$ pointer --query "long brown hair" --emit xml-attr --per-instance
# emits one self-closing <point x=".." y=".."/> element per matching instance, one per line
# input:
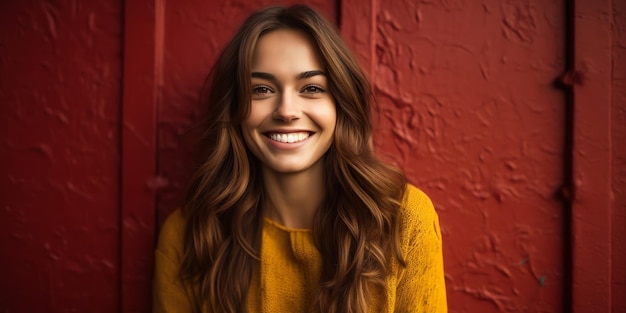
<point x="355" y="229"/>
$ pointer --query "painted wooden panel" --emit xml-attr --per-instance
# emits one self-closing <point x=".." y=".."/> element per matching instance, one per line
<point x="591" y="75"/>
<point x="618" y="158"/>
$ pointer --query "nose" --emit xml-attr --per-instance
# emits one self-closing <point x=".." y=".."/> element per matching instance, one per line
<point x="287" y="108"/>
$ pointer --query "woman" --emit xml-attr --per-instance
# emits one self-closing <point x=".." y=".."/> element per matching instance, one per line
<point x="291" y="211"/>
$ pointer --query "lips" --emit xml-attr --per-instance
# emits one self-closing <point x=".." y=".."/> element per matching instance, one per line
<point x="291" y="137"/>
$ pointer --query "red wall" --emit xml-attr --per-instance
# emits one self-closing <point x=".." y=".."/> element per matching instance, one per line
<point x="528" y="176"/>
<point x="60" y="73"/>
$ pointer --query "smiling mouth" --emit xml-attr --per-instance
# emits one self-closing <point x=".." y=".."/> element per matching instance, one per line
<point x="289" y="137"/>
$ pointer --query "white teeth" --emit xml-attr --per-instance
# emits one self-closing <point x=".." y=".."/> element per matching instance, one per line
<point x="289" y="138"/>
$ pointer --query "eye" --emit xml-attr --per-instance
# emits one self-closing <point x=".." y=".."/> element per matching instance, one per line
<point x="261" y="90"/>
<point x="312" y="89"/>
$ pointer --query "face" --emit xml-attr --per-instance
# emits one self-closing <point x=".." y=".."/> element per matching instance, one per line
<point x="292" y="113"/>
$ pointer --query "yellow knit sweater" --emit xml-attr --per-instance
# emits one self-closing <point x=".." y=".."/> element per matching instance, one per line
<point x="290" y="267"/>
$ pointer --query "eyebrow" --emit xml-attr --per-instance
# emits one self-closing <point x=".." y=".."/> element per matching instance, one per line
<point x="303" y="75"/>
<point x="309" y="74"/>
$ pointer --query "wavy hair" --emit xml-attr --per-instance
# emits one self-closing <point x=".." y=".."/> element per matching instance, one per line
<point x="355" y="229"/>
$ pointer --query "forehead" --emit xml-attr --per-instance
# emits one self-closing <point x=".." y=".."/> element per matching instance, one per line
<point x="286" y="51"/>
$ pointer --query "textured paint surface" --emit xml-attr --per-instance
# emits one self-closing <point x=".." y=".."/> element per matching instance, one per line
<point x="143" y="32"/>
<point x="196" y="31"/>
<point x="59" y="95"/>
<point x="468" y="110"/>
<point x="618" y="144"/>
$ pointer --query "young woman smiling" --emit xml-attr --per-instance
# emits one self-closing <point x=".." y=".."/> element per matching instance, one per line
<point x="290" y="210"/>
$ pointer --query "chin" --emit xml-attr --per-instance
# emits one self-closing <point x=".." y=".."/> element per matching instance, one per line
<point x="293" y="165"/>
<point x="287" y="169"/>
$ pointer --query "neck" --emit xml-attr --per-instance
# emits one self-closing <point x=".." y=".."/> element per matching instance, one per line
<point x="294" y="198"/>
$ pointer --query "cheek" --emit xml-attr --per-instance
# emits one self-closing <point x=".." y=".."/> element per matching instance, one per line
<point x="327" y="116"/>
<point x="253" y="121"/>
<point x="248" y="127"/>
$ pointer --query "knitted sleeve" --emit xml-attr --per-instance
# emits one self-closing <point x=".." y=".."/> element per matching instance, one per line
<point x="421" y="285"/>
<point x="168" y="294"/>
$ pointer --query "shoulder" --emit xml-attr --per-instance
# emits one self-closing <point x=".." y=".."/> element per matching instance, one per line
<point x="171" y="235"/>
<point x="416" y="206"/>
<point x="420" y="280"/>
<point x="417" y="216"/>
